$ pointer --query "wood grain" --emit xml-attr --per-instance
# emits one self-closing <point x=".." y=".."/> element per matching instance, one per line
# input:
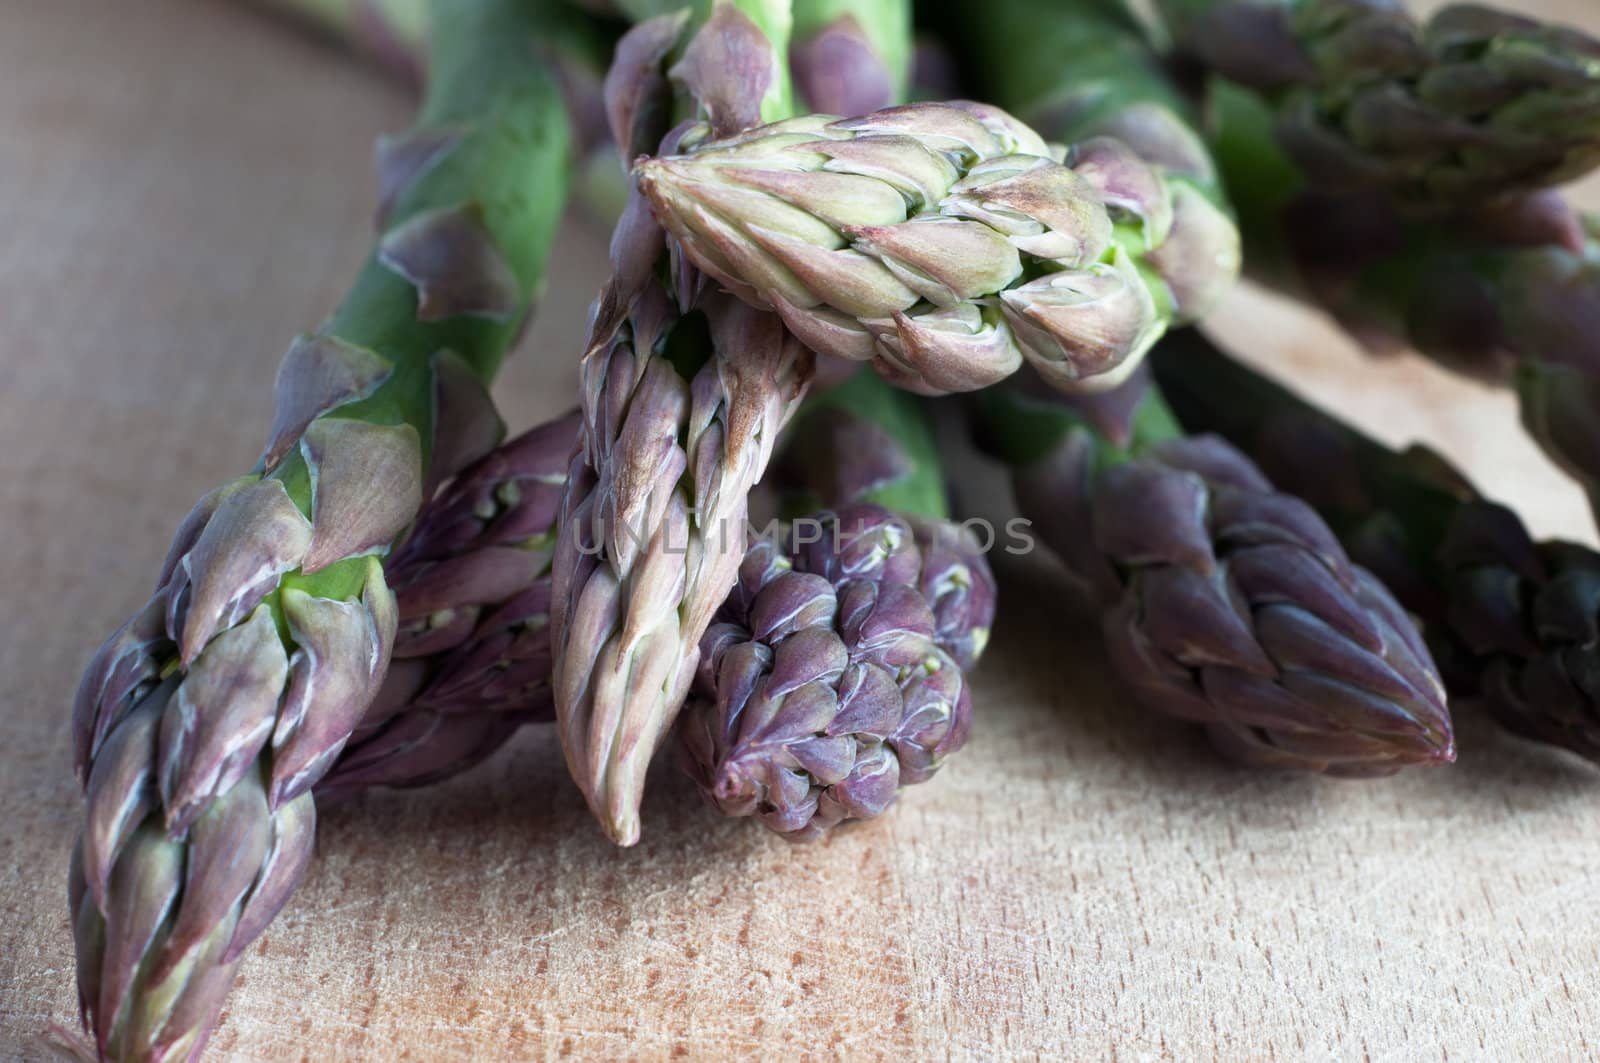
<point x="183" y="186"/>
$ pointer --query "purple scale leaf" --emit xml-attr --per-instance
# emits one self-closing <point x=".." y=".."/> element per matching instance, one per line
<point x="318" y="374"/>
<point x="127" y="662"/>
<point x="1299" y="641"/>
<point x="121" y="791"/>
<point x="869" y="702"/>
<point x="1290" y="575"/>
<point x="868" y="790"/>
<point x="1145" y="513"/>
<point x="1362" y="712"/>
<point x="452" y="261"/>
<point x="1160" y="682"/>
<point x="255" y="536"/>
<point x="837" y="71"/>
<point x="1213" y="459"/>
<point x="793" y="602"/>
<point x="729" y="67"/>
<point x="428" y="636"/>
<point x="1249" y="700"/>
<point x="144" y="886"/>
<point x="1240" y="518"/>
<point x="227" y="847"/>
<point x="189" y="530"/>
<point x="288" y="855"/>
<point x="809" y="656"/>
<point x="332" y="679"/>
<point x="1126" y="183"/>
<point x="366" y="487"/>
<point x="828" y="760"/>
<point x="220" y="718"/>
<point x="1193" y="620"/>
<point x="636" y="94"/>
<point x="403" y="159"/>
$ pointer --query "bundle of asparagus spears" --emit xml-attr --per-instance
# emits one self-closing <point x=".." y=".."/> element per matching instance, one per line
<point x="802" y="261"/>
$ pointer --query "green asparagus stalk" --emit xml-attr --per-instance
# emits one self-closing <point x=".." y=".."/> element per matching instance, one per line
<point x="1085" y="70"/>
<point x="835" y="673"/>
<point x="201" y="726"/>
<point x="1224" y="601"/>
<point x="1472" y="105"/>
<point x="1512" y="621"/>
<point x="1510" y="295"/>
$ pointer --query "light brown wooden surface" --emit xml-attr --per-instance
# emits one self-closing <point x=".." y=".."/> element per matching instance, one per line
<point x="183" y="186"/>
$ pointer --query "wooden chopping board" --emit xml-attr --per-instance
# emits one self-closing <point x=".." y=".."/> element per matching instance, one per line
<point x="184" y="185"/>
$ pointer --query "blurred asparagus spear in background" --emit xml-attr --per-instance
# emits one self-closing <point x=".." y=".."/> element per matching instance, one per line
<point x="835" y="673"/>
<point x="849" y="58"/>
<point x="1511" y="620"/>
<point x="1084" y="70"/>
<point x="201" y="726"/>
<point x="1508" y="293"/>
<point x="1224" y="601"/>
<point x="1471" y="105"/>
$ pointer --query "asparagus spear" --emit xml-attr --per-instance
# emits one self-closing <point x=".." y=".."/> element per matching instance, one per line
<point x="201" y="727"/>
<point x="1223" y="601"/>
<point x="835" y="673"/>
<point x="1472" y="105"/>
<point x="942" y="242"/>
<point x="683" y="394"/>
<point x="1512" y="621"/>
